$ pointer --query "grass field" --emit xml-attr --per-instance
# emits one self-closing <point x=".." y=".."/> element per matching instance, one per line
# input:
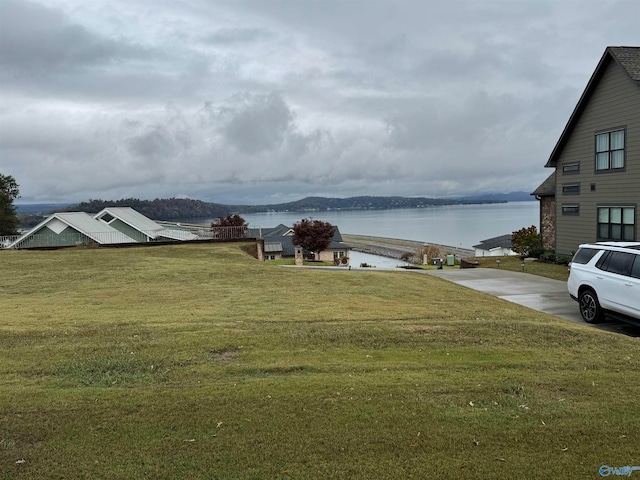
<point x="549" y="270"/>
<point x="198" y="361"/>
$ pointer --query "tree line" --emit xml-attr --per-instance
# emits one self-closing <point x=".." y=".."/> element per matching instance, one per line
<point x="159" y="209"/>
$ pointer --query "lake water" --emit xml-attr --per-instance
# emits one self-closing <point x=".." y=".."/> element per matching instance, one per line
<point x="453" y="225"/>
<point x="375" y="262"/>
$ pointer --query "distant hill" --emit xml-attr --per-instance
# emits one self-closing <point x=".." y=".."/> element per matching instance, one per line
<point x="159" y="209"/>
<point x="177" y="209"/>
<point x="39" y="208"/>
<point x="503" y="197"/>
<point x="358" y="203"/>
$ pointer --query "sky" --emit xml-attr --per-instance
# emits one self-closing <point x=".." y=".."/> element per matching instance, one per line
<point x="270" y="101"/>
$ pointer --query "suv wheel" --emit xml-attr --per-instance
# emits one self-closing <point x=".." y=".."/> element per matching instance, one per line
<point x="590" y="308"/>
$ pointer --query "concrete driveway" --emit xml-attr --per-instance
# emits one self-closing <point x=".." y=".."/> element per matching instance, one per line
<point x="538" y="293"/>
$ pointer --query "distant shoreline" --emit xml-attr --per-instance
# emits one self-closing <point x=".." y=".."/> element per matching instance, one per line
<point x="169" y="209"/>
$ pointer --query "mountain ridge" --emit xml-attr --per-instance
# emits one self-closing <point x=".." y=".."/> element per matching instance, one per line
<point x="180" y="208"/>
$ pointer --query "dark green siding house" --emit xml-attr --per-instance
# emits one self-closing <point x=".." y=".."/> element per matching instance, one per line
<point x="142" y="229"/>
<point x="597" y="158"/>
<point x="69" y="229"/>
<point x="278" y="244"/>
<point x="112" y="225"/>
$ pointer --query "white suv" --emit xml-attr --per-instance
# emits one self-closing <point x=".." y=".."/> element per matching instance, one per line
<point x="605" y="278"/>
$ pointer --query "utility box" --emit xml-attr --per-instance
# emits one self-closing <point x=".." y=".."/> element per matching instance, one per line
<point x="451" y="260"/>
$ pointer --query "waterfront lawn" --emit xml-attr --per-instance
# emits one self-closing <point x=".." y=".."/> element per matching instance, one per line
<point x="535" y="267"/>
<point x="198" y="361"/>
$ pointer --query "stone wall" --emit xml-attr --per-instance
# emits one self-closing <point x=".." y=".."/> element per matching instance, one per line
<point x="548" y="221"/>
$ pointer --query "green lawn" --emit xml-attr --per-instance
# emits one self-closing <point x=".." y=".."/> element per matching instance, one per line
<point x="549" y="270"/>
<point x="198" y="361"/>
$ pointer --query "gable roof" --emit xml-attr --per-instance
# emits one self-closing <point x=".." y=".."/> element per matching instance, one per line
<point x="546" y="188"/>
<point x="278" y="239"/>
<point x="143" y="224"/>
<point x="83" y="223"/>
<point x="129" y="216"/>
<point x="629" y="59"/>
<point x="503" y="241"/>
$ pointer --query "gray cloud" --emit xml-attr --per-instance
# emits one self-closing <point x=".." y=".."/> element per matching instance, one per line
<point x="253" y="124"/>
<point x="227" y="36"/>
<point x="253" y="101"/>
<point x="36" y="40"/>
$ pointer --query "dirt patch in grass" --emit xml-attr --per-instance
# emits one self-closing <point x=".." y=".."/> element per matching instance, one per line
<point x="279" y="371"/>
<point x="223" y="355"/>
<point x="424" y="328"/>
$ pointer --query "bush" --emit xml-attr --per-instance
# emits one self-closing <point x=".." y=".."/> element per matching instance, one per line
<point x="536" y="251"/>
<point x="431" y="251"/>
<point x="563" y="259"/>
<point x="526" y="242"/>
<point x="548" y="256"/>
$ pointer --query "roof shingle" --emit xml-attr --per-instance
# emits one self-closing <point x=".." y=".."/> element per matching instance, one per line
<point x="629" y="59"/>
<point x="546" y="188"/>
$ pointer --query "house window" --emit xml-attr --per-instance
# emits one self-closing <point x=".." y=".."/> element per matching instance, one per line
<point x="571" y="168"/>
<point x="610" y="150"/>
<point x="571" y="189"/>
<point x="573" y="209"/>
<point x="107" y="217"/>
<point x="616" y="223"/>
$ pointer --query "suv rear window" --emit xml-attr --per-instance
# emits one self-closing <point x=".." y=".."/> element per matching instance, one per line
<point x="621" y="263"/>
<point x="617" y="262"/>
<point x="583" y="255"/>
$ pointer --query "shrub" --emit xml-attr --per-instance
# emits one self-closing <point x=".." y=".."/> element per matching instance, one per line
<point x="526" y="241"/>
<point x="548" y="256"/>
<point x="536" y="251"/>
<point x="431" y="251"/>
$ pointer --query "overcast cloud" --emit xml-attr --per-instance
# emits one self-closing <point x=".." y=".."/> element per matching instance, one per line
<point x="265" y="101"/>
